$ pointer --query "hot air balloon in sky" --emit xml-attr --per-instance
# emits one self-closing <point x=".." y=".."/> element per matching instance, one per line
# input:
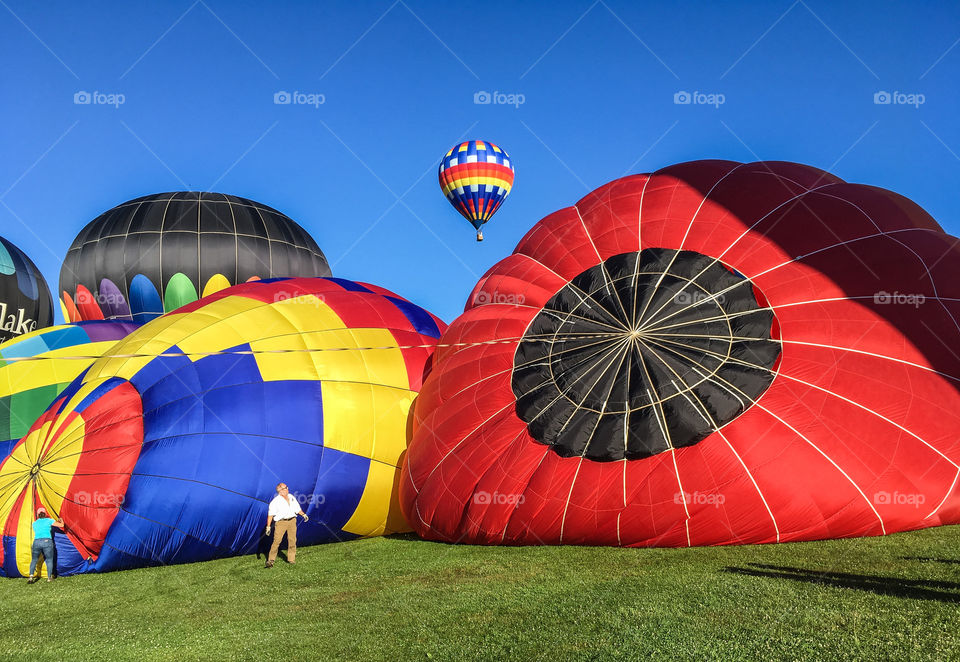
<point x="714" y="353"/>
<point x="36" y="367"/>
<point x="156" y="253"/>
<point x="25" y="301"/>
<point x="476" y="176"/>
<point x="168" y="449"/>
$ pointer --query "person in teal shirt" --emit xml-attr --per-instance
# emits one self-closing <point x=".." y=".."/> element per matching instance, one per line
<point x="43" y="544"/>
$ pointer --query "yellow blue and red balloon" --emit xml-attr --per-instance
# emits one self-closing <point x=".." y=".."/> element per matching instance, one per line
<point x="169" y="448"/>
<point x="476" y="176"/>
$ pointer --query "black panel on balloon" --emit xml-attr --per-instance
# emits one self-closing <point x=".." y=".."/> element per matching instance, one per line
<point x="189" y="232"/>
<point x="25" y="302"/>
<point x="648" y="351"/>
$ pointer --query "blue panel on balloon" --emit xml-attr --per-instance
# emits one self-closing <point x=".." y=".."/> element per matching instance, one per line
<point x="137" y="534"/>
<point x="221" y="413"/>
<point x="340" y="484"/>
<point x="163" y="367"/>
<point x="71" y="390"/>
<point x="10" y="556"/>
<point x="349" y="285"/>
<point x="287" y="416"/>
<point x="419" y="318"/>
<point x="230" y="367"/>
<point x="145" y="301"/>
<point x="99" y="391"/>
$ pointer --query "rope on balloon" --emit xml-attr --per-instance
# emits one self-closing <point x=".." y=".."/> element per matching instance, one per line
<point x="246" y="352"/>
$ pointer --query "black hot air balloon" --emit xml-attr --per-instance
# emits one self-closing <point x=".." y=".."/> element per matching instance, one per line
<point x="25" y="301"/>
<point x="156" y="253"/>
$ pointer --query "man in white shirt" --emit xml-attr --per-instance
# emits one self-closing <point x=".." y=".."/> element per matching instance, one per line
<point x="283" y="511"/>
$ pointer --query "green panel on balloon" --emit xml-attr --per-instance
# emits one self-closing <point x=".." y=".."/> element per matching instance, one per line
<point x="19" y="410"/>
<point x="180" y="291"/>
<point x="6" y="262"/>
<point x="5" y="417"/>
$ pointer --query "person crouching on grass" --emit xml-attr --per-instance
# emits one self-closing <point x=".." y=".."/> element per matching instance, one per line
<point x="284" y="510"/>
<point x="43" y="544"/>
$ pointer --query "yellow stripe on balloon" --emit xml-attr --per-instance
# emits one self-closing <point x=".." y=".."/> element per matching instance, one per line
<point x="365" y="420"/>
<point x="463" y="182"/>
<point x="60" y="460"/>
<point x="319" y="328"/>
<point x="211" y="328"/>
<point x="369" y="365"/>
<point x="195" y="332"/>
<point x="22" y="376"/>
<point x="216" y="283"/>
<point x="24" y="540"/>
<point x="149" y="339"/>
<point x="378" y="512"/>
<point x="14" y="472"/>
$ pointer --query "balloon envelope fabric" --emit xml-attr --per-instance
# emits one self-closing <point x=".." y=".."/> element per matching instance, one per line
<point x="168" y="449"/>
<point x="715" y="353"/>
<point x="156" y="253"/>
<point x="476" y="177"/>
<point x="55" y="356"/>
<point x="25" y="301"/>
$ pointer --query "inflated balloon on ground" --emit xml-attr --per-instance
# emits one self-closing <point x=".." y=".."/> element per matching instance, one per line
<point x="715" y="353"/>
<point x="169" y="448"/>
<point x="156" y="253"/>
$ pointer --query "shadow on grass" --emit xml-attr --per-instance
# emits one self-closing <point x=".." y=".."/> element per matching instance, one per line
<point x="917" y="589"/>
<point x="928" y="559"/>
<point x="409" y="535"/>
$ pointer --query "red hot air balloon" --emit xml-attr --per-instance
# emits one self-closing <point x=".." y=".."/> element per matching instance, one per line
<point x="715" y="353"/>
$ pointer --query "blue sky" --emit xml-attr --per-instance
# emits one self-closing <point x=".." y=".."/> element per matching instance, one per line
<point x="597" y="82"/>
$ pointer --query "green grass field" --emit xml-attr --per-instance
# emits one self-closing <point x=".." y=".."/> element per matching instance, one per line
<point x="401" y="598"/>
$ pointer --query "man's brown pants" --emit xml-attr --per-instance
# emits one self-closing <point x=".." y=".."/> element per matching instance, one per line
<point x="283" y="528"/>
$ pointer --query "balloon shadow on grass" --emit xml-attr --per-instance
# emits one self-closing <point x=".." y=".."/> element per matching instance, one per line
<point x="917" y="589"/>
<point x="928" y="559"/>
